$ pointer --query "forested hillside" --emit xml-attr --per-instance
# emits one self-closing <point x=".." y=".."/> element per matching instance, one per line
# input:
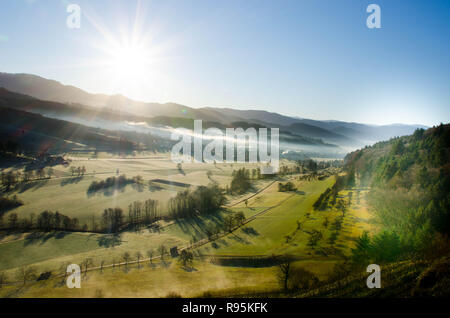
<point x="409" y="180"/>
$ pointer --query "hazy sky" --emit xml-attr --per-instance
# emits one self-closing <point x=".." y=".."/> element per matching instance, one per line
<point x="312" y="58"/>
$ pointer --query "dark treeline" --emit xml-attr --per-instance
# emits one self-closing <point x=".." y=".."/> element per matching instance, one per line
<point x="11" y="178"/>
<point x="117" y="182"/>
<point x="113" y="220"/>
<point x="54" y="133"/>
<point x="322" y="202"/>
<point x="42" y="129"/>
<point x="142" y="213"/>
<point x="288" y="186"/>
<point x="329" y="197"/>
<point x="203" y="200"/>
<point x="45" y="221"/>
<point x="310" y="165"/>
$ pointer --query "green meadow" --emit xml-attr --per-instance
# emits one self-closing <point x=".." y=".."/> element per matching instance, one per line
<point x="271" y="228"/>
<point x="68" y="194"/>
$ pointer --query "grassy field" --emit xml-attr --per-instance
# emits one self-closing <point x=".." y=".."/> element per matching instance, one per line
<point x="68" y="194"/>
<point x="275" y="232"/>
<point x="271" y="228"/>
<point x="153" y="281"/>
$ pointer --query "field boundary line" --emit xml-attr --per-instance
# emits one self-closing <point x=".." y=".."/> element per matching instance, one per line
<point x="256" y="193"/>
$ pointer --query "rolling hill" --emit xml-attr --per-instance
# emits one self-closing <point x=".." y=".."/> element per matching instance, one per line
<point x="341" y="133"/>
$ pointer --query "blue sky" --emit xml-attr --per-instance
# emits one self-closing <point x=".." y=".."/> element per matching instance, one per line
<point x="311" y="59"/>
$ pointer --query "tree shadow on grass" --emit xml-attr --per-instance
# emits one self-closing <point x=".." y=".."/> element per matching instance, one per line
<point x="154" y="187"/>
<point x="60" y="283"/>
<point x="43" y="237"/>
<point x="107" y="192"/>
<point x="25" y="186"/>
<point x="250" y="231"/>
<point x="197" y="225"/>
<point x="15" y="293"/>
<point x="72" y="180"/>
<point x="109" y="240"/>
<point x="239" y="239"/>
<point x="165" y="263"/>
<point x="138" y="187"/>
<point x="189" y="269"/>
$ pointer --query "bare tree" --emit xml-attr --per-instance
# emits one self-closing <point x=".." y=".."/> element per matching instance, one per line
<point x="139" y="256"/>
<point x="239" y="217"/>
<point x="186" y="257"/>
<point x="63" y="269"/>
<point x="126" y="257"/>
<point x="150" y="255"/>
<point x="162" y="251"/>
<point x="284" y="272"/>
<point x="26" y="274"/>
<point x="86" y="263"/>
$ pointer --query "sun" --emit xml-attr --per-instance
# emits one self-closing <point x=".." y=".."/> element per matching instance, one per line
<point x="132" y="70"/>
<point x="129" y="63"/>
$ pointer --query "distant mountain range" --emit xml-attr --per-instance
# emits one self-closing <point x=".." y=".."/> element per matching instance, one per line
<point x="55" y="115"/>
<point x="75" y="101"/>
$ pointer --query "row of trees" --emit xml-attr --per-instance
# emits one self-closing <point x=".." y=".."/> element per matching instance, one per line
<point x="201" y="201"/>
<point x="329" y="196"/>
<point x="113" y="182"/>
<point x="142" y="213"/>
<point x="112" y="219"/>
<point x="12" y="177"/>
<point x="45" y="221"/>
<point x="29" y="273"/>
<point x="79" y="171"/>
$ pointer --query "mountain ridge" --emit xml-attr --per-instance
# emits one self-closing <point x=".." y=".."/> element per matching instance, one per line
<point x="344" y="133"/>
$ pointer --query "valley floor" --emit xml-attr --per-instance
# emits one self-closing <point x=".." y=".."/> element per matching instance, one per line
<point x="220" y="267"/>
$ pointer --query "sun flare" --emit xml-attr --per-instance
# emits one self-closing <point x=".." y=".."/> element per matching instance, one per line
<point x="129" y="62"/>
